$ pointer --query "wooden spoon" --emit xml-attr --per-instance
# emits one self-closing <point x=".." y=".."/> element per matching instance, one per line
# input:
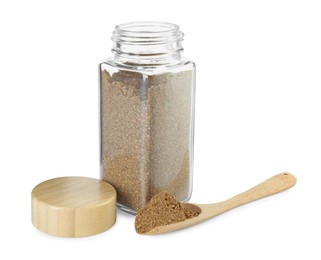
<point x="275" y="184"/>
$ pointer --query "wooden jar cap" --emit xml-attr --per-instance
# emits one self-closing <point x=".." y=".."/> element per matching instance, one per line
<point x="73" y="206"/>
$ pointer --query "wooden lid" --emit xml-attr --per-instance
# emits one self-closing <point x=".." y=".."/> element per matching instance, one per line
<point x="73" y="206"/>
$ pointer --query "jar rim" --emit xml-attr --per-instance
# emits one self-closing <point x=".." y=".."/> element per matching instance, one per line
<point x="147" y="32"/>
<point x="147" y="42"/>
<point x="151" y="27"/>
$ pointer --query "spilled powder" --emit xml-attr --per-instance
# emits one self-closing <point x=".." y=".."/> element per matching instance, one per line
<point x="163" y="209"/>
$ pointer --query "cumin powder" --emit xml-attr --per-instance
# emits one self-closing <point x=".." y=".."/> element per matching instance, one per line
<point x="146" y="137"/>
<point x="163" y="209"/>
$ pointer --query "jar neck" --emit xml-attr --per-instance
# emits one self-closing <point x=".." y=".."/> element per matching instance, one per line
<point x="147" y="43"/>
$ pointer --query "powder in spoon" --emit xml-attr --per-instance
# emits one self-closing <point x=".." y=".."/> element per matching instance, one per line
<point x="163" y="209"/>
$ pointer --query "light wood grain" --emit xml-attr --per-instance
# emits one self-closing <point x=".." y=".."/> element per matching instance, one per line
<point x="275" y="184"/>
<point x="73" y="206"/>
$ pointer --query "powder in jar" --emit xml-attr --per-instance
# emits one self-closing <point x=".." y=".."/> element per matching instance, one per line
<point x="146" y="123"/>
<point x="163" y="209"/>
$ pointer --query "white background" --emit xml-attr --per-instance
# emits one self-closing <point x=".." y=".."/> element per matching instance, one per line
<point x="258" y="113"/>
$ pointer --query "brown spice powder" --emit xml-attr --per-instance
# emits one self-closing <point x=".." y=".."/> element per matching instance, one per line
<point x="163" y="209"/>
<point x="125" y="145"/>
<point x="146" y="134"/>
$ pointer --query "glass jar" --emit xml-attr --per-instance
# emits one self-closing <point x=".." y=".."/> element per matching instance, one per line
<point x="147" y="114"/>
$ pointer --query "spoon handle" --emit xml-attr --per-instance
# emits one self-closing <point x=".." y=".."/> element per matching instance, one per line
<point x="273" y="185"/>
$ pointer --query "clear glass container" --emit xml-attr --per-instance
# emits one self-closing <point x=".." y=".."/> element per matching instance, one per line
<point x="147" y="114"/>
